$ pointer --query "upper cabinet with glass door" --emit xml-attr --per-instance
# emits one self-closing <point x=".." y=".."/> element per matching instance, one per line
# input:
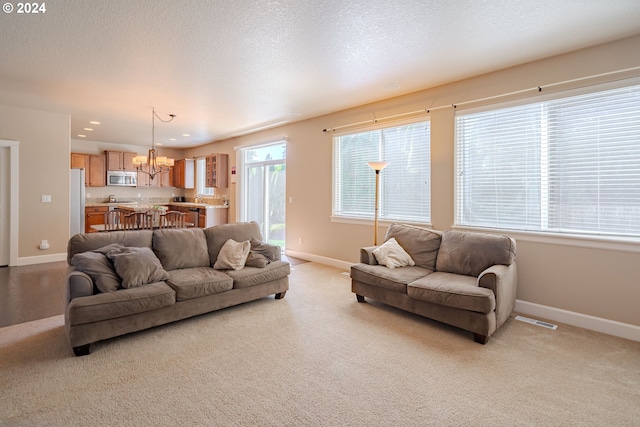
<point x="217" y="170"/>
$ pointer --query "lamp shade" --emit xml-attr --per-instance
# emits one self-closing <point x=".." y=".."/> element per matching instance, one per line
<point x="140" y="160"/>
<point x="378" y="166"/>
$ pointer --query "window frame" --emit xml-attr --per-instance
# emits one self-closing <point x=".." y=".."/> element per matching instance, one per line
<point x="359" y="220"/>
<point x="201" y="179"/>
<point x="628" y="243"/>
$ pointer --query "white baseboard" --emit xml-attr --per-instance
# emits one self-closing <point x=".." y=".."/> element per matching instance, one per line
<point x="598" y="324"/>
<point x="344" y="265"/>
<point x="41" y="259"/>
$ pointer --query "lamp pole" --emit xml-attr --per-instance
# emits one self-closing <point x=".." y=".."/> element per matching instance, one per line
<point x="377" y="167"/>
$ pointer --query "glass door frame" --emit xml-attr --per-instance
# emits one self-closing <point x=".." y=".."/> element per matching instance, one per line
<point x="243" y="168"/>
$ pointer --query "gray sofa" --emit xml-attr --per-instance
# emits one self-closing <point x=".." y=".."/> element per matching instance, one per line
<point x="125" y="281"/>
<point x="464" y="279"/>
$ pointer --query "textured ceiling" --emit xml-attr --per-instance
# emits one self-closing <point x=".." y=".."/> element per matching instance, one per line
<point x="232" y="66"/>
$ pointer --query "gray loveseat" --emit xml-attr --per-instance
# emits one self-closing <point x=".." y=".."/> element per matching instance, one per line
<point x="125" y="281"/>
<point x="464" y="279"/>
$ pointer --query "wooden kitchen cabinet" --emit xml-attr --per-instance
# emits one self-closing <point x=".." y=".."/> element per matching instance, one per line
<point x="94" y="215"/>
<point x="184" y="173"/>
<point x="97" y="171"/>
<point x="95" y="168"/>
<point x="217" y="170"/>
<point x="143" y="179"/>
<point x="81" y="161"/>
<point x="120" y="161"/>
<point x="165" y="178"/>
<point x="162" y="180"/>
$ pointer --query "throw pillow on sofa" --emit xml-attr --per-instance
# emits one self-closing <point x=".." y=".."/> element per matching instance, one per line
<point x="392" y="255"/>
<point x="261" y="254"/>
<point x="233" y="255"/>
<point x="96" y="264"/>
<point x="137" y="266"/>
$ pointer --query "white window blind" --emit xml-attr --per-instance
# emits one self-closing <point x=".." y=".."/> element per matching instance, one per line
<point x="404" y="184"/>
<point x="566" y="165"/>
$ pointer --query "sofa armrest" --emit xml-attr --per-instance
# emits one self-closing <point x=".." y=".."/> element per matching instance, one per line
<point x="277" y="251"/>
<point x="503" y="281"/>
<point x="367" y="256"/>
<point x="79" y="284"/>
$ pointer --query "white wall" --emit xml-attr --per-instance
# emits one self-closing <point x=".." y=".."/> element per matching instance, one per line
<point x="43" y="170"/>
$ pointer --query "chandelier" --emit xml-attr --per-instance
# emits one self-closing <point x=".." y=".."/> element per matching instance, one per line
<point x="154" y="164"/>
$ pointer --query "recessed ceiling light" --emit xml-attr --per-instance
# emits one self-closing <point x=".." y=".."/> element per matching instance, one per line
<point x="82" y="136"/>
<point x="95" y="123"/>
<point x="185" y="134"/>
<point x="390" y="87"/>
<point x="158" y="143"/>
<point x="172" y="139"/>
<point x="88" y="129"/>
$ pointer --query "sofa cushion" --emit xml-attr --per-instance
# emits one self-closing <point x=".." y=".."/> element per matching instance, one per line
<point x="453" y="290"/>
<point x="420" y="243"/>
<point x="252" y="276"/>
<point x="137" y="266"/>
<point x="393" y="279"/>
<point x="233" y="255"/>
<point x="121" y="303"/>
<point x="196" y="282"/>
<point x="181" y="248"/>
<point x="219" y="234"/>
<point x="471" y="253"/>
<point x="83" y="242"/>
<point x="392" y="255"/>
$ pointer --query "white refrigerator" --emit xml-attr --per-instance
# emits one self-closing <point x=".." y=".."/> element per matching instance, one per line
<point x="76" y="201"/>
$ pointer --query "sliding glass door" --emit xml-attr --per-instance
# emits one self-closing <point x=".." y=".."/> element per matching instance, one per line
<point x="263" y="191"/>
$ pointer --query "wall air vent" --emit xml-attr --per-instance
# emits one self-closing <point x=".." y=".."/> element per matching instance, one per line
<point x="537" y="322"/>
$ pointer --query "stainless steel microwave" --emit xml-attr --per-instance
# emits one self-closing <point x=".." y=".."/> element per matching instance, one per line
<point x="122" y="179"/>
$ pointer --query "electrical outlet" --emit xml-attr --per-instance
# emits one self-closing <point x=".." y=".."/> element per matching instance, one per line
<point x="46" y="198"/>
<point x="299" y="240"/>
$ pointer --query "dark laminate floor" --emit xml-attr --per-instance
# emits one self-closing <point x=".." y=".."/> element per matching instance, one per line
<point x="35" y="292"/>
<point x="31" y="292"/>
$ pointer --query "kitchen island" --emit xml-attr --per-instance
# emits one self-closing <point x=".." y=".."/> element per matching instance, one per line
<point x="201" y="215"/>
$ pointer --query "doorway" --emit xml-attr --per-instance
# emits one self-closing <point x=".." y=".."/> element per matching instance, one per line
<point x="9" y="155"/>
<point x="263" y="189"/>
<point x="5" y="179"/>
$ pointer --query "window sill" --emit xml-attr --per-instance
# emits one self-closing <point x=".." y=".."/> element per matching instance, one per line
<point x="604" y="243"/>
<point x="381" y="223"/>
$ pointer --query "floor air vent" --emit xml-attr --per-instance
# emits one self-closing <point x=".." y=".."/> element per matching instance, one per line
<point x="537" y="322"/>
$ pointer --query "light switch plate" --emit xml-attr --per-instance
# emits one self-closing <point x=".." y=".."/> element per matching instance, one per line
<point x="46" y="198"/>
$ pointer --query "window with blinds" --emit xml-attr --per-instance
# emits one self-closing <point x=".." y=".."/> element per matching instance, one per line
<point x="201" y="178"/>
<point x="404" y="184"/>
<point x="564" y="165"/>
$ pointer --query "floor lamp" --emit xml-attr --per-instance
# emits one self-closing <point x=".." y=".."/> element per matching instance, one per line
<point x="377" y="166"/>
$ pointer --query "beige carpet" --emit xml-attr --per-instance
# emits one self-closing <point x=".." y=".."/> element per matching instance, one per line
<point x="317" y="357"/>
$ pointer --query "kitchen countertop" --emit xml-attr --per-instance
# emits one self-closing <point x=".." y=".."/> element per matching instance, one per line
<point x="136" y="205"/>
